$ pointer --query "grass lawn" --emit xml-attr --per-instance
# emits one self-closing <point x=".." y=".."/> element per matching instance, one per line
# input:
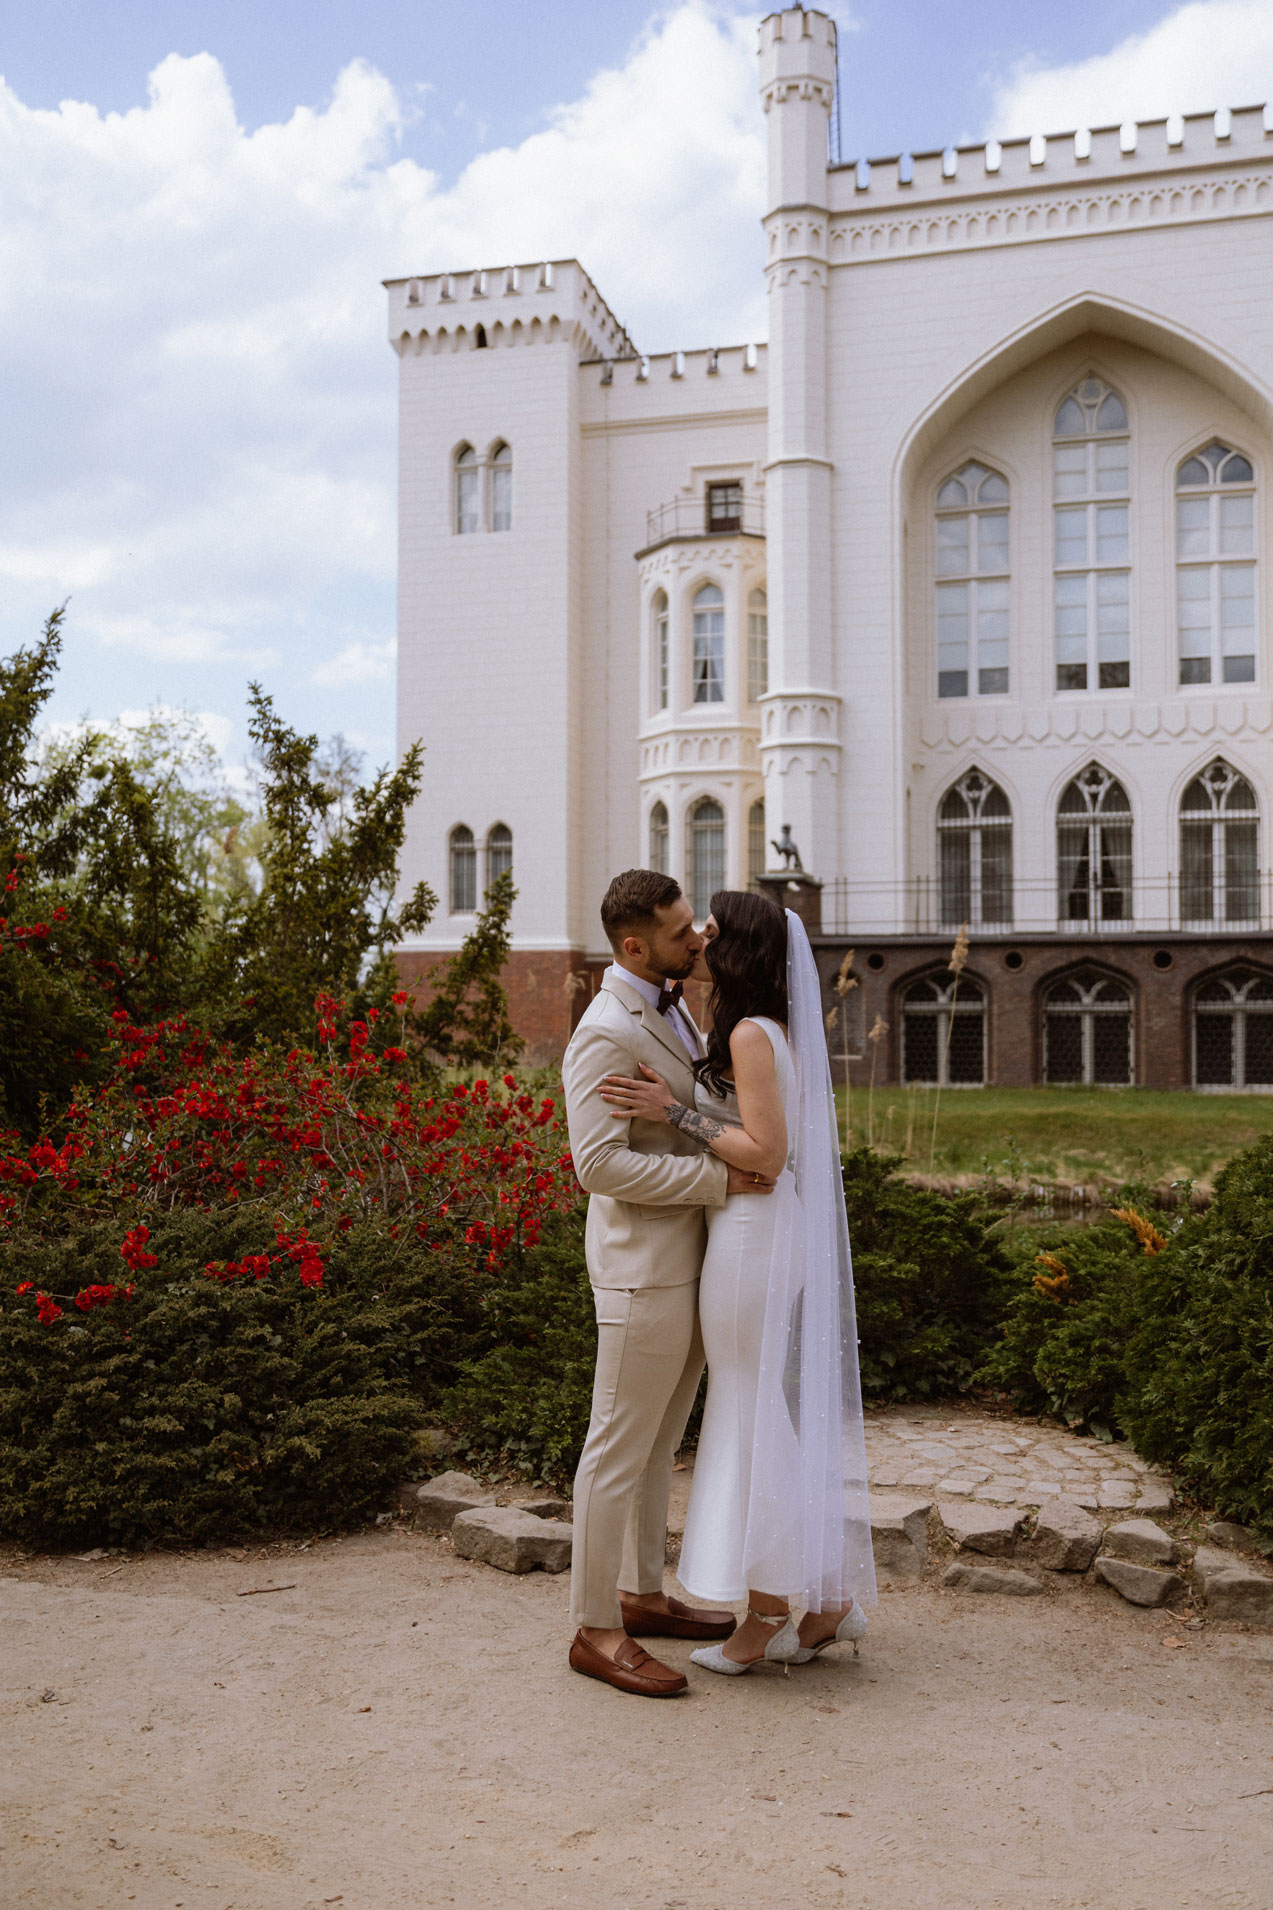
<point x="1065" y="1134"/>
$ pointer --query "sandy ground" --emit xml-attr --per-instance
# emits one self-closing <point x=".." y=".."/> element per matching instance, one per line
<point x="402" y="1729"/>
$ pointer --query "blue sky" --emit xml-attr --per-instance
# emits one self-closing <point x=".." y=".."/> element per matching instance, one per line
<point x="200" y="202"/>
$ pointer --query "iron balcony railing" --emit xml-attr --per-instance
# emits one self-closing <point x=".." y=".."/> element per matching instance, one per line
<point x="919" y="907"/>
<point x="687" y="517"/>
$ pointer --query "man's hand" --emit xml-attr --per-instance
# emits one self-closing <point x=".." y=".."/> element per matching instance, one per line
<point x="740" y="1181"/>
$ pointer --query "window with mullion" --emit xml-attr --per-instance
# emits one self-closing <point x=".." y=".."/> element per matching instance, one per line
<point x="973" y="583"/>
<point x="1091" y="532"/>
<point x="1215" y="569"/>
<point x="708" y="653"/>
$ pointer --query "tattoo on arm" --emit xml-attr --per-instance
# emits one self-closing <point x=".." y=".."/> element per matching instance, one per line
<point x="690" y="1121"/>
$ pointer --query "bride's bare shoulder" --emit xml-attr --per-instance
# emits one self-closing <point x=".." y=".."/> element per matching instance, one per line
<point x="749" y="1042"/>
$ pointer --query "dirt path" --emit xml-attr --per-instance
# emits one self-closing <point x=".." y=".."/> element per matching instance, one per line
<point x="401" y="1730"/>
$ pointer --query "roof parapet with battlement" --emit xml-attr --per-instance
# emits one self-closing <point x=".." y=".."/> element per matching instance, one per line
<point x="513" y="304"/>
<point x="1157" y="146"/>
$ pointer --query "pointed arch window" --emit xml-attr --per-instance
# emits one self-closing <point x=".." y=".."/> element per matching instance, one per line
<point x="1233" y="1031"/>
<point x="660" y="839"/>
<point x="944" y="1032"/>
<point x="1215" y="567"/>
<point x="755" y="843"/>
<point x="757" y="645"/>
<point x="1087" y="1031"/>
<point x="661" y="650"/>
<point x="974" y="853"/>
<point x="499" y="852"/>
<point x="1219" y="848"/>
<point x="467" y="491"/>
<point x="1091" y="530"/>
<point x="501" y="479"/>
<point x="709" y="645"/>
<point x="705" y="855"/>
<point x="463" y="870"/>
<point x="972" y="583"/>
<point x="1094" y="850"/>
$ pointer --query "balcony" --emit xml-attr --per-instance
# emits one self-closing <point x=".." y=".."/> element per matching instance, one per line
<point x="1142" y="907"/>
<point x="694" y="519"/>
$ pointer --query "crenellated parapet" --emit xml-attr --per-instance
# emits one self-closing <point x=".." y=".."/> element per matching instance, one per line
<point x="545" y="303"/>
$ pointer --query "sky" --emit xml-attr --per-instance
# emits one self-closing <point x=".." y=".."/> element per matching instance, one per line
<point x="197" y="402"/>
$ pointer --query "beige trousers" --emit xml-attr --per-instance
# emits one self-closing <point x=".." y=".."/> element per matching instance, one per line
<point x="649" y="1363"/>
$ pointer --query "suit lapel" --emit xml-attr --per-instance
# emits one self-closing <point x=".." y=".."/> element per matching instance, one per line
<point x="652" y="1021"/>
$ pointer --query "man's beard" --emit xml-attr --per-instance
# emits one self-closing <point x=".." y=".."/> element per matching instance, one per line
<point x="680" y="972"/>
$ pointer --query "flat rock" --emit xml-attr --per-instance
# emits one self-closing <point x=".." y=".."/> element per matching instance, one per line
<point x="982" y="1528"/>
<point x="1138" y="1584"/>
<point x="1141" y="1541"/>
<point x="511" y="1540"/>
<point x="899" y="1534"/>
<point x="545" y="1507"/>
<point x="1155" y="1495"/>
<point x="1232" y="1588"/>
<point x="439" y="1502"/>
<point x="1113" y="1494"/>
<point x="991" y="1578"/>
<point x="1225" y="1532"/>
<point x="1066" y="1538"/>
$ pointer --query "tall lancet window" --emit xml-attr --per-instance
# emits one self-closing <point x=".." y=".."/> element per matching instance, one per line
<point x="972" y="583"/>
<point x="463" y="870"/>
<point x="1094" y="850"/>
<point x="709" y="645"/>
<point x="705" y="855"/>
<point x="757" y="645"/>
<point x="1219" y="848"/>
<point x="499" y="852"/>
<point x="659" y="838"/>
<point x="1215" y="571"/>
<point x="502" y="488"/>
<point x="1091" y="539"/>
<point x="974" y="852"/>
<point x="468" y="479"/>
<point x="660" y="650"/>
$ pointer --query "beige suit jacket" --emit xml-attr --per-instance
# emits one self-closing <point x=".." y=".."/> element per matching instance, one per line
<point x="649" y="1184"/>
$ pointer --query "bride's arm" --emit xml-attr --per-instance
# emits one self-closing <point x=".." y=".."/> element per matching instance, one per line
<point x="759" y="1146"/>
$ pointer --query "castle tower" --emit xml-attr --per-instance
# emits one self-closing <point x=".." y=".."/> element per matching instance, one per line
<point x="800" y="730"/>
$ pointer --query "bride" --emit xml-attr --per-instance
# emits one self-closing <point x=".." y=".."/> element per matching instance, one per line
<point x="778" y="1506"/>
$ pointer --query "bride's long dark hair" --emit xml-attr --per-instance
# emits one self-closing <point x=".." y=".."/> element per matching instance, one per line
<point x="748" y="964"/>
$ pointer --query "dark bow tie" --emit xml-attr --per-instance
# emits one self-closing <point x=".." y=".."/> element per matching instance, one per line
<point x="671" y="998"/>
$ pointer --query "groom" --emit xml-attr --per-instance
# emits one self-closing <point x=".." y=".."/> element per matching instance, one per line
<point x="647" y="1232"/>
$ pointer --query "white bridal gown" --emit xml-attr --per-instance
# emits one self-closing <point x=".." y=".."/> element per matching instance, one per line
<point x="731" y="1304"/>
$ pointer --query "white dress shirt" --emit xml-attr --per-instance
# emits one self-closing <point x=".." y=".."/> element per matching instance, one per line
<point x="653" y="993"/>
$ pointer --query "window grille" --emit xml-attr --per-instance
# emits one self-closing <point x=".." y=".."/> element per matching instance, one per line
<point x="463" y="870"/>
<point x="1233" y="1031"/>
<point x="972" y="583"/>
<point x="1215" y="571"/>
<point x="662" y="653"/>
<point x="502" y="489"/>
<point x="1087" y="1032"/>
<point x="499" y="852"/>
<point x="660" y="839"/>
<point x="974" y="853"/>
<point x="705" y="855"/>
<point x="709" y="645"/>
<point x="757" y="645"/>
<point x="756" y="845"/>
<point x="467" y="496"/>
<point x="724" y="506"/>
<point x="944" y="1032"/>
<point x="1091" y="483"/>
<point x="1094" y="850"/>
<point x="1219" y="848"/>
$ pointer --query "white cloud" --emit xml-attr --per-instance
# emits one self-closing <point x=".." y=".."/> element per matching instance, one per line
<point x="200" y="398"/>
<point x="1209" y="54"/>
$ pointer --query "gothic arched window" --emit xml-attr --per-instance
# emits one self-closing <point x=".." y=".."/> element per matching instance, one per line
<point x="972" y="583"/>
<point x="755" y="842"/>
<point x="1091" y="510"/>
<point x="1215" y="572"/>
<point x="757" y="645"/>
<point x="501" y="479"/>
<point x="1087" y="1031"/>
<point x="705" y="855"/>
<point x="660" y="838"/>
<point x="1219" y="848"/>
<point x="463" y="870"/>
<point x="660" y="650"/>
<point x="709" y="645"/>
<point x="1094" y="849"/>
<point x="1233" y="1031"/>
<point x="974" y="853"/>
<point x="499" y="852"/>
<point x="944" y="1032"/>
<point x="467" y="492"/>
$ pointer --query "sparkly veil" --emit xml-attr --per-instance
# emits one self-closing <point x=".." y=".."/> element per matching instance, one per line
<point x="808" y="1523"/>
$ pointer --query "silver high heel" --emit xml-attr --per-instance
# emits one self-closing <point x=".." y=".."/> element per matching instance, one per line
<point x="712" y="1657"/>
<point x="850" y="1630"/>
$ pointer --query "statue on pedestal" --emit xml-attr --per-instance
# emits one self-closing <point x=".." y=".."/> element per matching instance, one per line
<point x="787" y="849"/>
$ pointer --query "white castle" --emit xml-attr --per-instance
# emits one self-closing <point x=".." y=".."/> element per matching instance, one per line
<point x="962" y="581"/>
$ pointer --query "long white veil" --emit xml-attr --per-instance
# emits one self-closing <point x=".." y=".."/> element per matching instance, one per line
<point x="808" y="1520"/>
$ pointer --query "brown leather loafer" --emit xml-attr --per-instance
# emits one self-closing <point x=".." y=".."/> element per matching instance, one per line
<point x="678" y="1621"/>
<point x="631" y="1669"/>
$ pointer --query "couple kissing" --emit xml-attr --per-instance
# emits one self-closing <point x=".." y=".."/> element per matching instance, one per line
<point x="716" y="1232"/>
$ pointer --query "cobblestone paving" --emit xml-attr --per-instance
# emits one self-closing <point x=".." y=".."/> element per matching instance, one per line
<point x="976" y="1456"/>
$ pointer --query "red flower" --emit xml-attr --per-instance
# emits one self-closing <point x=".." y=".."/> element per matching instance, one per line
<point x="28" y="1286"/>
<point x="46" y="1309"/>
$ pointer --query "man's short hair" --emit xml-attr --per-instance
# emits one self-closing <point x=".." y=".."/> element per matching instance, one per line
<point x="629" y="904"/>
